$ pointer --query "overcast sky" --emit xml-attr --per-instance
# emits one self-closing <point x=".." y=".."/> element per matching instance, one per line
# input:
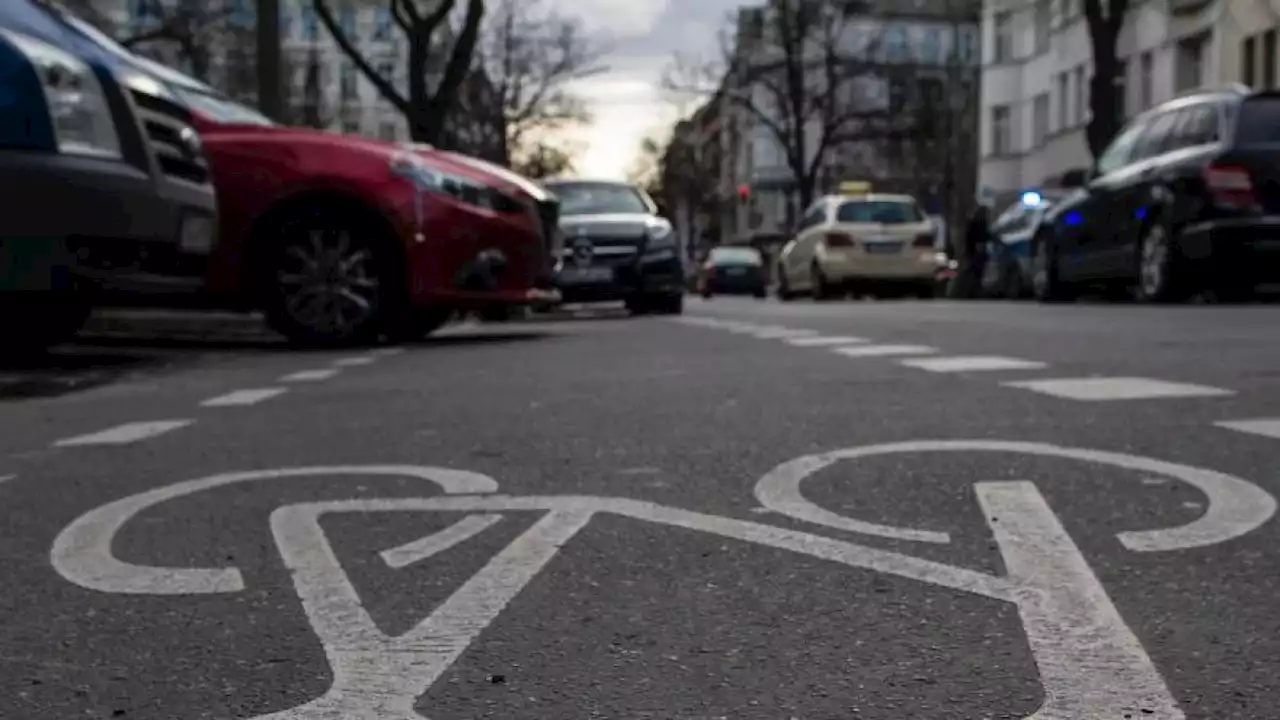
<point x="628" y="102"/>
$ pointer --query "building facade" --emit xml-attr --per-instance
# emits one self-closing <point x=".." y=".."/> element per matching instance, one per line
<point x="323" y="87"/>
<point x="1037" y="62"/>
<point x="912" y="87"/>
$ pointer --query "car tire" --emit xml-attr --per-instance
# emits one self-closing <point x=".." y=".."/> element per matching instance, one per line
<point x="31" y="328"/>
<point x="761" y="294"/>
<point x="669" y="305"/>
<point x="329" y="278"/>
<point x="821" y="289"/>
<point x="1046" y="285"/>
<point x="783" y="289"/>
<point x="707" y="294"/>
<point x="1158" y="267"/>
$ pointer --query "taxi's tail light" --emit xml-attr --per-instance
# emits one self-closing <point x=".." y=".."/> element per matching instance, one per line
<point x="1230" y="186"/>
<point x="923" y="240"/>
<point x="838" y="240"/>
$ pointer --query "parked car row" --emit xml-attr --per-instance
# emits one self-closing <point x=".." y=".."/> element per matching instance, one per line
<point x="1184" y="201"/>
<point x="124" y="181"/>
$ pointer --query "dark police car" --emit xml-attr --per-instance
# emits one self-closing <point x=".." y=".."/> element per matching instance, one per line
<point x="1185" y="199"/>
<point x="616" y="247"/>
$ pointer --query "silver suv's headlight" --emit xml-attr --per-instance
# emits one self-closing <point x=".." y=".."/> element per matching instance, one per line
<point x="82" y="122"/>
<point x="661" y="236"/>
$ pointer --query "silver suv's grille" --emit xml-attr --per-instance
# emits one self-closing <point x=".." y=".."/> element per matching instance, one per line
<point x="171" y="140"/>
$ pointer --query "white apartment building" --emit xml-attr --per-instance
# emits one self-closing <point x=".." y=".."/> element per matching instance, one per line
<point x="348" y="101"/>
<point x="1037" y="64"/>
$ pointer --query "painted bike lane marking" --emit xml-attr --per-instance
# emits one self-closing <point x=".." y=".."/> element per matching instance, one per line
<point x="1090" y="663"/>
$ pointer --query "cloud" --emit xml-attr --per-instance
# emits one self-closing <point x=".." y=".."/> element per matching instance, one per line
<point x="615" y="18"/>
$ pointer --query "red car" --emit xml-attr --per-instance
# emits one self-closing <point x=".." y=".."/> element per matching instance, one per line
<point x="342" y="239"/>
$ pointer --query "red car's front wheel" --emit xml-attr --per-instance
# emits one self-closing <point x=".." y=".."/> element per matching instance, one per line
<point x="329" y="279"/>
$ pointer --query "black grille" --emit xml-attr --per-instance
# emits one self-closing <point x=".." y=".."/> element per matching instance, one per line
<point x="164" y="124"/>
<point x="549" y="219"/>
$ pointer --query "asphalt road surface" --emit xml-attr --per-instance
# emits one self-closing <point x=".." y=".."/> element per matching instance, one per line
<point x="758" y="510"/>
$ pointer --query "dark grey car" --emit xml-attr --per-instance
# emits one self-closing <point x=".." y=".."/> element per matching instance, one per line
<point x="616" y="247"/>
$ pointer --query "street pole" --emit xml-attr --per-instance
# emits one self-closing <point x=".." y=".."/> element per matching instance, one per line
<point x="270" y="84"/>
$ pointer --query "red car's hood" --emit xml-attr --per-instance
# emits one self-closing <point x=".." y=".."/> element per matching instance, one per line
<point x="287" y="134"/>
<point x="482" y="170"/>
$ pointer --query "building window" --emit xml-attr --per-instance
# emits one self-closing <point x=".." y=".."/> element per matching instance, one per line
<point x="388" y="132"/>
<point x="1189" y="62"/>
<point x="896" y="46"/>
<point x="1146" y="65"/>
<point x="1040" y="120"/>
<point x="1082" y="96"/>
<point x="1269" y="60"/>
<point x="1003" y="42"/>
<point x="1249" y="62"/>
<point x="382" y="24"/>
<point x="310" y="24"/>
<point x="1064" y="101"/>
<point x="970" y="44"/>
<point x="1000" y="130"/>
<point x="931" y="46"/>
<point x="1043" y="24"/>
<point x="347" y="21"/>
<point x="347" y="84"/>
<point x="350" y="127"/>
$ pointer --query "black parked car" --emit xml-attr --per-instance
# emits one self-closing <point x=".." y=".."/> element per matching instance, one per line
<point x="1185" y="199"/>
<point x="733" y="271"/>
<point x="617" y="247"/>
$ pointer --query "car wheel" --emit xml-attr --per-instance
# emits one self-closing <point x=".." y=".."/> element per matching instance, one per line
<point x="1046" y="285"/>
<point x="821" y="288"/>
<point x="328" y="279"/>
<point x="707" y="294"/>
<point x="668" y="305"/>
<point x="30" y="328"/>
<point x="783" y="290"/>
<point x="1157" y="267"/>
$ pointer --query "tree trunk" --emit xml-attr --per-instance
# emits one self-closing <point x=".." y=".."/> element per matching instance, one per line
<point x="270" y="84"/>
<point x="1106" y="93"/>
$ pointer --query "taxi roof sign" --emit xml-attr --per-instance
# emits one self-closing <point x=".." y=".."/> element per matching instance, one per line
<point x="854" y="187"/>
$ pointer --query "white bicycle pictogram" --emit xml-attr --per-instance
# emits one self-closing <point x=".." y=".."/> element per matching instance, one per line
<point x="1090" y="663"/>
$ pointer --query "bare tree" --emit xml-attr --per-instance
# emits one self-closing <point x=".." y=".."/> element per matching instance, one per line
<point x="190" y="29"/>
<point x="1105" y="18"/>
<point x="801" y="69"/>
<point x="531" y="55"/>
<point x="424" y="108"/>
<point x="543" y="160"/>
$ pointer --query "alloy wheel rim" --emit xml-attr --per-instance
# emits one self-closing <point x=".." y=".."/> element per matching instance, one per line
<point x="1155" y="252"/>
<point x="328" y="282"/>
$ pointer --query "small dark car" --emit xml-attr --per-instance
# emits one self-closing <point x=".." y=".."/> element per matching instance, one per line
<point x="1186" y="199"/>
<point x="733" y="271"/>
<point x="616" y="247"/>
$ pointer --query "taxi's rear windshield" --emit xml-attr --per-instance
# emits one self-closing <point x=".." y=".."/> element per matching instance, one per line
<point x="888" y="212"/>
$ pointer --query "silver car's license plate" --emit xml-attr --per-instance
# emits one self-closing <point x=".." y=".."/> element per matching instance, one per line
<point x="580" y="276"/>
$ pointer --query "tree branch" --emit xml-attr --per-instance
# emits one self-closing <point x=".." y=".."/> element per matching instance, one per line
<point x="384" y="86"/>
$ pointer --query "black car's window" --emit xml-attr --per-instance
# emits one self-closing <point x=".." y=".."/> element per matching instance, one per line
<point x="1121" y="149"/>
<point x="1199" y="126"/>
<point x="735" y="256"/>
<point x="888" y="212"/>
<point x="1258" y="120"/>
<point x="591" y="198"/>
<point x="1155" y="141"/>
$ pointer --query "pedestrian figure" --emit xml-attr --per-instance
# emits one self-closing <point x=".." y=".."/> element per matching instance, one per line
<point x="973" y="253"/>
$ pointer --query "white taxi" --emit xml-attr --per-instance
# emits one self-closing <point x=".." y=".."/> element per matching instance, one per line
<point x="871" y="243"/>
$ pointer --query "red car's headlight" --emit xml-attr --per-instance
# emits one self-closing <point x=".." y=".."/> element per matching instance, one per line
<point x="429" y="178"/>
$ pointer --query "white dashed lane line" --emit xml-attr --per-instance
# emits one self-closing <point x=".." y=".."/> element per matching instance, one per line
<point x="781" y="333"/>
<point x="825" y="341"/>
<point x="1265" y="427"/>
<point x="310" y="376"/>
<point x="126" y="433"/>
<point x="1102" y="389"/>
<point x="972" y="363"/>
<point x="358" y="361"/>
<point x="870" y="351"/>
<point x="243" y="398"/>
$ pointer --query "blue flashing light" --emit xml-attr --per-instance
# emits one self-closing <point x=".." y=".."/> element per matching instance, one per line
<point x="1073" y="218"/>
<point x="1031" y="198"/>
